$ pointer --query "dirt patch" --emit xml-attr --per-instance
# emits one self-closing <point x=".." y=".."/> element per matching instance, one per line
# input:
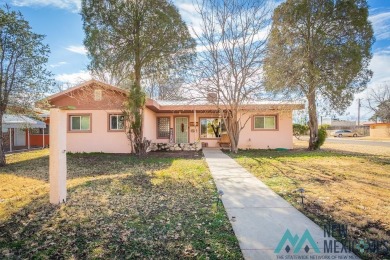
<point x="176" y="154"/>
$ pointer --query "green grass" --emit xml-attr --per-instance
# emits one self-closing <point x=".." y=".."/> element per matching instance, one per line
<point x="340" y="187"/>
<point x="118" y="207"/>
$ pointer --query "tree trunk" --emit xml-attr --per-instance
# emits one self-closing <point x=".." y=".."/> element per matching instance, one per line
<point x="233" y="132"/>
<point x="138" y="98"/>
<point x="313" y="123"/>
<point x="2" y="153"/>
<point x="234" y="143"/>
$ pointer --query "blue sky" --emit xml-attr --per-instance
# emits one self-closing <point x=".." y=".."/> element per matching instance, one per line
<point x="61" y="22"/>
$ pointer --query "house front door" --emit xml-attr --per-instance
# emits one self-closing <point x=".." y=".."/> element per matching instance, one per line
<point x="181" y="129"/>
<point x="19" y="137"/>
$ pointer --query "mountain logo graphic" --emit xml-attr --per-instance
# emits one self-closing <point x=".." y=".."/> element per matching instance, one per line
<point x="297" y="243"/>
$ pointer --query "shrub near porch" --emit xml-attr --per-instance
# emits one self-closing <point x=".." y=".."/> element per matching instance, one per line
<point x="118" y="206"/>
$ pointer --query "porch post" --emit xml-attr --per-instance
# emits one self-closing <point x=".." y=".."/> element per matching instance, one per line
<point x="43" y="138"/>
<point x="28" y="138"/>
<point x="57" y="159"/>
<point x="196" y="127"/>
<point x="10" y="139"/>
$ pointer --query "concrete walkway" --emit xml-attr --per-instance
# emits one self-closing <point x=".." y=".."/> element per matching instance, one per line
<point x="260" y="217"/>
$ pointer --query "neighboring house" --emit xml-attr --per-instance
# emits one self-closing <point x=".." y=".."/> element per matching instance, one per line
<point x="18" y="132"/>
<point x="39" y="137"/>
<point x="380" y="130"/>
<point x="95" y="122"/>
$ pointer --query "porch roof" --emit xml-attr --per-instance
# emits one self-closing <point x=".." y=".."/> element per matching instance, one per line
<point x="21" y="121"/>
<point x="200" y="105"/>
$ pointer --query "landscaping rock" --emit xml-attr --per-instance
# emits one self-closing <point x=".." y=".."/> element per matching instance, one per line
<point x="175" y="147"/>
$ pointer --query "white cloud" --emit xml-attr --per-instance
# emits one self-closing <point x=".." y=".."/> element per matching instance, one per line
<point x="190" y="15"/>
<point x="380" y="65"/>
<point x="74" y="78"/>
<point x="71" y="5"/>
<point x="77" y="49"/>
<point x="58" y="64"/>
<point x="383" y="51"/>
<point x="381" y="24"/>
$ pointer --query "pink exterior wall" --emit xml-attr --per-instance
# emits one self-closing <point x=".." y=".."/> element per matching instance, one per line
<point x="262" y="139"/>
<point x="150" y="121"/>
<point x="102" y="140"/>
<point x="99" y="139"/>
<point x="249" y="138"/>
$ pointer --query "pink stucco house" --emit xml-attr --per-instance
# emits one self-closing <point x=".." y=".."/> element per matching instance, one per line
<point x="95" y="122"/>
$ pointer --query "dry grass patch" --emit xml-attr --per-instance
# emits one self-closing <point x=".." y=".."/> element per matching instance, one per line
<point x="340" y="187"/>
<point x="354" y="148"/>
<point x="118" y="207"/>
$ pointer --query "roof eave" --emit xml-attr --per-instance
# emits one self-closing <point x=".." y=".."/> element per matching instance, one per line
<point x="54" y="96"/>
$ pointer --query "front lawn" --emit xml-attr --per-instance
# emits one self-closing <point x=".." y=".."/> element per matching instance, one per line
<point x="340" y="187"/>
<point x="118" y="207"/>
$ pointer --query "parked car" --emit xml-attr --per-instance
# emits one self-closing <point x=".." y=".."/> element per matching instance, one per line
<point x="341" y="133"/>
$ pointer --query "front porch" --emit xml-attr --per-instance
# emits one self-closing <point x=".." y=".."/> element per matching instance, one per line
<point x="186" y="128"/>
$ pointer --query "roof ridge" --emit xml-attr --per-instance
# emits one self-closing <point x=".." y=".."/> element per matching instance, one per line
<point x="86" y="83"/>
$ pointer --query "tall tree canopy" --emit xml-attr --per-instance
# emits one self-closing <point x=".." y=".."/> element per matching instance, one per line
<point x="23" y="57"/>
<point x="319" y="48"/>
<point x="130" y="39"/>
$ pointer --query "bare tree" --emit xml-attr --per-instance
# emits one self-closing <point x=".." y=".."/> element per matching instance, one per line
<point x="115" y="75"/>
<point x="378" y="101"/>
<point x="233" y="40"/>
<point x="165" y="84"/>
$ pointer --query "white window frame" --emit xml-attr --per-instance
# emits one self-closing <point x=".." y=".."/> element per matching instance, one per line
<point x="80" y="116"/>
<point x="275" y="126"/>
<point x="117" y="118"/>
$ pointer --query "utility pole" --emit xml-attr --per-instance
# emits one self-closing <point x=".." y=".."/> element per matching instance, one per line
<point x="358" y="122"/>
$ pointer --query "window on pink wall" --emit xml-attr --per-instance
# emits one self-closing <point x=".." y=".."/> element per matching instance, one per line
<point x="268" y="122"/>
<point x="117" y="122"/>
<point x="211" y="128"/>
<point x="80" y="122"/>
<point x="163" y="125"/>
